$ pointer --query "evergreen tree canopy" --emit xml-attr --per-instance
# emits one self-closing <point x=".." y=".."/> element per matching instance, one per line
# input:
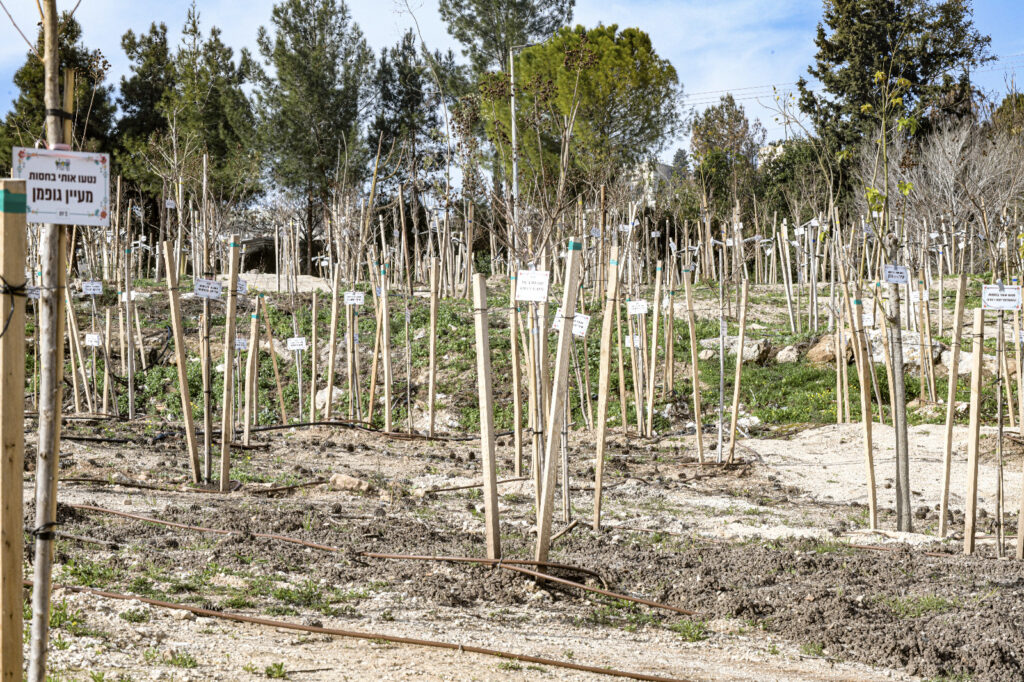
<point x="932" y="44"/>
<point x="92" y="110"/>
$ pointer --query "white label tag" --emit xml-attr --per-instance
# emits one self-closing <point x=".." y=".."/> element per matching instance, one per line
<point x="595" y="232"/>
<point x="655" y="234"/>
<point x="798" y="231"/>
<point x="208" y="288"/>
<point x="532" y="285"/>
<point x="297" y="343"/>
<point x="94" y="288"/>
<point x="354" y="298"/>
<point x="170" y="203"/>
<point x="32" y="292"/>
<point x="934" y="235"/>
<point x="94" y="340"/>
<point x="728" y="242"/>
<point x="996" y="297"/>
<point x="637" y="307"/>
<point x="672" y="245"/>
<point x="580" y="324"/>
<point x="633" y="341"/>
<point x="557" y="324"/>
<point x="915" y="296"/>
<point x="241" y="343"/>
<point x="124" y="296"/>
<point x="895" y="274"/>
<point x="624" y="228"/>
<point x="243" y="287"/>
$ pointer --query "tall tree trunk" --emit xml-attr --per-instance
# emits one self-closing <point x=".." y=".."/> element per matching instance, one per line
<point x="309" y="233"/>
<point x="904" y="519"/>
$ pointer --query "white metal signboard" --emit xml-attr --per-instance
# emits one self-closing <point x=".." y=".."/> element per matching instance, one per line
<point x="93" y="339"/>
<point x="92" y="288"/>
<point x="241" y="343"/>
<point x="895" y="274"/>
<point x="637" y="307"/>
<point x="64" y="187"/>
<point x="208" y="288"/>
<point x="580" y="324"/>
<point x="297" y="343"/>
<point x="1000" y="297"/>
<point x="532" y="285"/>
<point x="354" y="297"/>
<point x="243" y="287"/>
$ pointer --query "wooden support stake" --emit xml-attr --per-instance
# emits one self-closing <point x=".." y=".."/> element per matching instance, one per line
<point x="181" y="359"/>
<point x="12" y="429"/>
<point x="955" y="331"/>
<point x="558" y="393"/>
<point x="483" y="372"/>
<point x="252" y="366"/>
<point x="432" y="343"/>
<point x="332" y="352"/>
<point x="974" y="431"/>
<point x="313" y="353"/>
<point x="273" y="360"/>
<point x="652" y="368"/>
<point x="227" y="411"/>
<point x="694" y="369"/>
<point x="739" y="371"/>
<point x="604" y="377"/>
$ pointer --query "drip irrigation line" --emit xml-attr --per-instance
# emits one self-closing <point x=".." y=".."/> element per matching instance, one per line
<point x="354" y="634"/>
<point x="510" y="564"/>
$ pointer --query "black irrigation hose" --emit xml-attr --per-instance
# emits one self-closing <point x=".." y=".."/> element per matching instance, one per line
<point x="239" y="618"/>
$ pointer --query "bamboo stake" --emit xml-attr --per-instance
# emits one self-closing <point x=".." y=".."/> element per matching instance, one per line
<point x="313" y="354"/>
<point x="252" y="365"/>
<point x="432" y="343"/>
<point x="332" y="353"/>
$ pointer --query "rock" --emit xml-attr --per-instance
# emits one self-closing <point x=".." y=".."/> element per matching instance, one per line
<point x="788" y="354"/>
<point x="346" y="482"/>
<point x="748" y="423"/>
<point x="183" y="615"/>
<point x="754" y="350"/>
<point x="911" y="348"/>
<point x="321" y="397"/>
<point x="706" y="354"/>
<point x="824" y="352"/>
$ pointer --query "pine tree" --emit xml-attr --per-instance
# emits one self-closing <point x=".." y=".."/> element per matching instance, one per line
<point x="93" y="109"/>
<point x="320" y="74"/>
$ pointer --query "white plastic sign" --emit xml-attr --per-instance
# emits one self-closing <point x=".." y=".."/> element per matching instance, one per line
<point x="1000" y="297"/>
<point x="595" y="232"/>
<point x="636" y="307"/>
<point x="557" y="324"/>
<point x="241" y="343"/>
<point x="895" y="274"/>
<point x="297" y="343"/>
<point x="171" y="204"/>
<point x="32" y="292"/>
<point x="532" y="285"/>
<point x="580" y="324"/>
<point x="655" y="234"/>
<point x="632" y="342"/>
<point x="64" y="187"/>
<point x="624" y="228"/>
<point x="243" y="287"/>
<point x="94" y="340"/>
<point x="867" y="319"/>
<point x="92" y="288"/>
<point x="354" y="297"/>
<point x="208" y="288"/>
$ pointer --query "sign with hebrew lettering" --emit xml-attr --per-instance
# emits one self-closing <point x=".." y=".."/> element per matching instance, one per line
<point x="64" y="187"/>
<point x="1000" y="297"/>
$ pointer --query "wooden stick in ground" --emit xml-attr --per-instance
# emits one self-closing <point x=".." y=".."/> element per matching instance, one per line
<point x="313" y="352"/>
<point x="181" y="359"/>
<point x="739" y="371"/>
<point x="974" y="431"/>
<point x="652" y="368"/>
<point x="558" y="393"/>
<point x="273" y="359"/>
<point x="106" y="364"/>
<point x="432" y="343"/>
<point x="252" y="366"/>
<point x="955" y="331"/>
<point x="517" y="381"/>
<point x="483" y="372"/>
<point x="864" y="379"/>
<point x="227" y="410"/>
<point x="604" y="377"/>
<point x="332" y="350"/>
<point x="694" y="369"/>
<point x="12" y="429"/>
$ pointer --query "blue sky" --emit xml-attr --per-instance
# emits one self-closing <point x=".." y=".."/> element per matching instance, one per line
<point x="715" y="45"/>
